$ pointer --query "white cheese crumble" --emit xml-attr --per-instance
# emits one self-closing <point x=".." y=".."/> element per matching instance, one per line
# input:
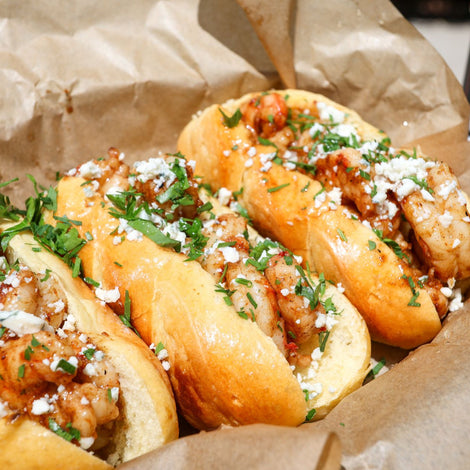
<point x="86" y="442"/>
<point x="90" y="170"/>
<point x="41" y="406"/>
<point x="224" y="195"/>
<point x="457" y="301"/>
<point x="328" y="113"/>
<point x="156" y="169"/>
<point x="230" y="254"/>
<point x="22" y="323"/>
<point x="3" y="409"/>
<point x="445" y="219"/>
<point x="90" y="370"/>
<point x="251" y="152"/>
<point x="446" y="188"/>
<point x="108" y="296"/>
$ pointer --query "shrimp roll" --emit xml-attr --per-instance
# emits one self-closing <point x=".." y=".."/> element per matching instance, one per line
<point x="391" y="226"/>
<point x="251" y="333"/>
<point x="77" y="387"/>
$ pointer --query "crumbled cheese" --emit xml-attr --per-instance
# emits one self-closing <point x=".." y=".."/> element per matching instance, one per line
<point x="86" y="442"/>
<point x="115" y="393"/>
<point x="230" y="254"/>
<point x="98" y="356"/>
<point x="108" y="296"/>
<point x="22" y="323"/>
<point x="251" y="152"/>
<point x="427" y="196"/>
<point x="41" y="406"/>
<point x="12" y="280"/>
<point x="456" y="243"/>
<point x="174" y="232"/>
<point x="347" y="131"/>
<point x="132" y="234"/>
<point x="156" y="169"/>
<point x="327" y="320"/>
<point x="285" y="292"/>
<point x="446" y="188"/>
<point x="90" y="170"/>
<point x="70" y="323"/>
<point x="224" y="195"/>
<point x="457" y="301"/>
<point x="166" y="365"/>
<point x="316" y="354"/>
<point x="113" y="191"/>
<point x="57" y="306"/>
<point x="328" y="113"/>
<point x="90" y="370"/>
<point x="446" y="291"/>
<point x="249" y="163"/>
<point x="445" y="219"/>
<point x="368" y="146"/>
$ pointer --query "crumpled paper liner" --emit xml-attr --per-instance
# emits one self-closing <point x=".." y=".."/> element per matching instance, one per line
<point x="254" y="446"/>
<point x="77" y="79"/>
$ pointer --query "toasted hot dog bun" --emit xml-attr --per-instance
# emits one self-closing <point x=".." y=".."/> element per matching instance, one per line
<point x="148" y="416"/>
<point x="223" y="369"/>
<point x="281" y="203"/>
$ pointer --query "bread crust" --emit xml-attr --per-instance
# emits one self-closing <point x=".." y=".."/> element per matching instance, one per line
<point x="223" y="369"/>
<point x="211" y="350"/>
<point x="143" y="381"/>
<point x="372" y="279"/>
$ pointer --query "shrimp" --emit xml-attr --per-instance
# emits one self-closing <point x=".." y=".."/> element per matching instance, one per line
<point x="23" y="377"/>
<point x="19" y="291"/>
<point x="115" y="173"/>
<point x="49" y="376"/>
<point x="300" y="319"/>
<point x="85" y="407"/>
<point x="347" y="170"/>
<point x="441" y="223"/>
<point x="254" y="296"/>
<point x="227" y="228"/>
<point x="52" y="302"/>
<point x="39" y="295"/>
<point x="171" y="187"/>
<point x="250" y="292"/>
<point x="266" y="115"/>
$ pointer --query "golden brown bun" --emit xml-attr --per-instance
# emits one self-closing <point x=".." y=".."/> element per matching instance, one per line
<point x="27" y="445"/>
<point x="149" y="410"/>
<point x="372" y="279"/>
<point x="224" y="370"/>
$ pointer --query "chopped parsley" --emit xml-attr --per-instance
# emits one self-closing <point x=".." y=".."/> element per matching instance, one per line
<point x="69" y="435"/>
<point x="277" y="188"/>
<point x="231" y="121"/>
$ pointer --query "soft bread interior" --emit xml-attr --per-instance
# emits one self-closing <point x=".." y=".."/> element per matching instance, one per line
<point x="345" y="360"/>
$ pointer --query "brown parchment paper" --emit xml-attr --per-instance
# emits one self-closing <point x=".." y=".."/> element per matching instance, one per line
<point x="79" y="77"/>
